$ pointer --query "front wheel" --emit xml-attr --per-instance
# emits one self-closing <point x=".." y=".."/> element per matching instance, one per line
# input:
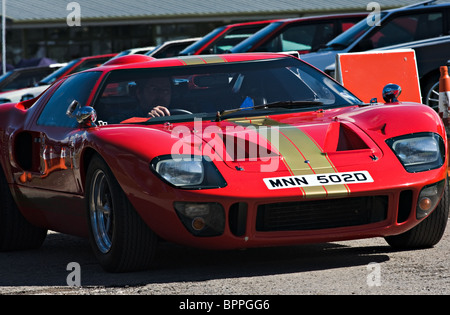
<point x="120" y="239"/>
<point x="429" y="232"/>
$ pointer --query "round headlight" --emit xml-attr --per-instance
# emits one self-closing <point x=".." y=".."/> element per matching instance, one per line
<point x="188" y="172"/>
<point x="419" y="152"/>
<point x="181" y="173"/>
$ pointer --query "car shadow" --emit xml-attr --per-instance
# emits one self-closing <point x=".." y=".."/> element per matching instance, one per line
<point x="48" y="266"/>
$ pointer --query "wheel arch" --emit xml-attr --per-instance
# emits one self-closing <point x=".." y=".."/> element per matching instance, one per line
<point x="85" y="160"/>
<point x="427" y="81"/>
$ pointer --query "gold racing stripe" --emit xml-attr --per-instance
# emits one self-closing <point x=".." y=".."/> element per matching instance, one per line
<point x="301" y="155"/>
<point x="194" y="60"/>
<point x="189" y="61"/>
<point x="213" y="59"/>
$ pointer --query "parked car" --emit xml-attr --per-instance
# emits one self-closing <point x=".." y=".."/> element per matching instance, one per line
<point x="171" y="48"/>
<point x="77" y="65"/>
<point x="73" y="66"/>
<point x="300" y="34"/>
<point x="132" y="51"/>
<point x="431" y="54"/>
<point x="259" y="150"/>
<point x="411" y="23"/>
<point x="223" y="38"/>
<point x="25" y="77"/>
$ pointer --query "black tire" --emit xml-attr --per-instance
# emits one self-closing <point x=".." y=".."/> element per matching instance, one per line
<point x="16" y="233"/>
<point x="128" y="243"/>
<point x="430" y="92"/>
<point x="428" y="233"/>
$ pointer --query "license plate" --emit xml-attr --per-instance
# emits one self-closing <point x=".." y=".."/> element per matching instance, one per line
<point x="358" y="177"/>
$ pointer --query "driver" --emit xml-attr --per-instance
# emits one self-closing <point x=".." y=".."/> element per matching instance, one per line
<point x="154" y="96"/>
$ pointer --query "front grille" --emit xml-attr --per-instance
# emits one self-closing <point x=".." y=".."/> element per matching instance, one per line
<point x="321" y="214"/>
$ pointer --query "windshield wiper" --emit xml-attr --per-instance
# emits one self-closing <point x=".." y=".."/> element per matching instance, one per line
<point x="278" y="104"/>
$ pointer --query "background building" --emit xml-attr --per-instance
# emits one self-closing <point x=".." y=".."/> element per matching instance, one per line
<point x="49" y="28"/>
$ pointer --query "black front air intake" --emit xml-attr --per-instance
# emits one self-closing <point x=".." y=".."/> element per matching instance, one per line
<point x="321" y="214"/>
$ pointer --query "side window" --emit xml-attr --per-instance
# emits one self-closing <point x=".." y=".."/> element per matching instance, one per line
<point x="300" y="37"/>
<point x="347" y="25"/>
<point x="447" y="24"/>
<point x="77" y="87"/>
<point x="232" y="38"/>
<point x="430" y="25"/>
<point x="408" y="28"/>
<point x="170" y="51"/>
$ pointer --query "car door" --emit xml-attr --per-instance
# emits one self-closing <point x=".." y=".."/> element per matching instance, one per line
<point x="56" y="139"/>
<point x="45" y="154"/>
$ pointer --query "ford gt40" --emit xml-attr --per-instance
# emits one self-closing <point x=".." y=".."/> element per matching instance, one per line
<point x="217" y="152"/>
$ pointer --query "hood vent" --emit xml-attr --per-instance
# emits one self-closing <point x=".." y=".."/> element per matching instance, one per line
<point x="239" y="148"/>
<point x="341" y="137"/>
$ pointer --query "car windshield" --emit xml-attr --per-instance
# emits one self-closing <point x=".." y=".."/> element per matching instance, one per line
<point x="345" y="39"/>
<point x="283" y="84"/>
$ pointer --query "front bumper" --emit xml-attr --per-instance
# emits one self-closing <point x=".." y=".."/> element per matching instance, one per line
<point x="257" y="221"/>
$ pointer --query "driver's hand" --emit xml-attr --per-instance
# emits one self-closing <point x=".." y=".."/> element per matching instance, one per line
<point x="159" y="111"/>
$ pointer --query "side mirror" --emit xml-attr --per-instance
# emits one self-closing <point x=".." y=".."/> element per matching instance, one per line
<point x="85" y="115"/>
<point x="391" y="92"/>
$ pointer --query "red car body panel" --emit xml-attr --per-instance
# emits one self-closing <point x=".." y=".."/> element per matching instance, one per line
<point x="54" y="199"/>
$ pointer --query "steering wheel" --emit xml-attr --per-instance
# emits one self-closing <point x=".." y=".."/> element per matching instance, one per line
<point x="179" y="111"/>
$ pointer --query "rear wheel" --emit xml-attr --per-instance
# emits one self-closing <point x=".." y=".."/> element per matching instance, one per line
<point x="16" y="233"/>
<point x="120" y="239"/>
<point x="429" y="232"/>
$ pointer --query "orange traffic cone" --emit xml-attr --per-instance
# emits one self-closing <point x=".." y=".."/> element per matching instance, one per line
<point x="444" y="96"/>
<point x="62" y="159"/>
<point x="44" y="166"/>
<point x="23" y="177"/>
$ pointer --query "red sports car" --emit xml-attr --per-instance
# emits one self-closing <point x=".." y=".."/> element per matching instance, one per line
<point x="258" y="150"/>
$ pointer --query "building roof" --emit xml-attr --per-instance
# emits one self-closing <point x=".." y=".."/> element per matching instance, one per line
<point x="56" y="11"/>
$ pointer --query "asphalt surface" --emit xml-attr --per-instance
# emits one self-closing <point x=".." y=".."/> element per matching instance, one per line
<point x="362" y="267"/>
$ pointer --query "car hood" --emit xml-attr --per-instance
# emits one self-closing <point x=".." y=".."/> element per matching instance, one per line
<point x="334" y="140"/>
<point x="314" y="141"/>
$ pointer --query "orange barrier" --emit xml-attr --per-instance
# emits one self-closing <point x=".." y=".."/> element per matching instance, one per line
<point x="365" y="74"/>
<point x="444" y="95"/>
